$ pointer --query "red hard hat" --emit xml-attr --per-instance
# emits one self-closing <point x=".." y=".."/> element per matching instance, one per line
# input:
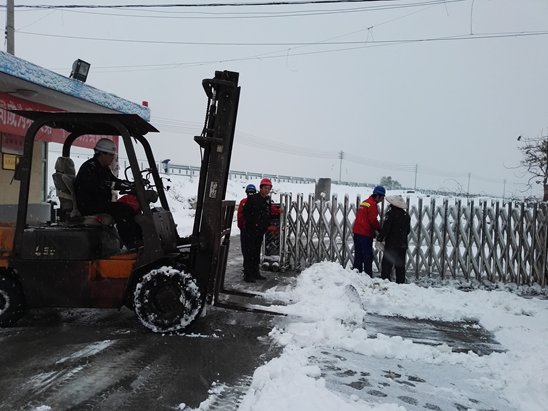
<point x="266" y="182"/>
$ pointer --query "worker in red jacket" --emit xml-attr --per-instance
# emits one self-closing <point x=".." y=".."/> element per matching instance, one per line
<point x="365" y="226"/>
<point x="249" y="190"/>
<point x="257" y="211"/>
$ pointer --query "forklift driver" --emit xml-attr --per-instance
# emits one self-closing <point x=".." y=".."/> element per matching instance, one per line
<point x="93" y="186"/>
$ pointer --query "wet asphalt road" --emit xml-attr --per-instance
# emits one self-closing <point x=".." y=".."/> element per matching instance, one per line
<point x="105" y="360"/>
<point x="84" y="359"/>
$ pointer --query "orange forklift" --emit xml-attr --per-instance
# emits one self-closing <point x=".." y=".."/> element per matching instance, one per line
<point x="79" y="261"/>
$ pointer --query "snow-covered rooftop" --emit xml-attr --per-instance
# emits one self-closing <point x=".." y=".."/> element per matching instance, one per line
<point x="31" y="73"/>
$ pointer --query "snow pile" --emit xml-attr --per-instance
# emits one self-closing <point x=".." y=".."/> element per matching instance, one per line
<point x="325" y="314"/>
<point x="329" y="318"/>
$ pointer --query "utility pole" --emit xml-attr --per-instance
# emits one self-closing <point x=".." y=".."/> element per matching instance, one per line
<point x="468" y="194"/>
<point x="341" y="156"/>
<point x="416" y="171"/>
<point x="10" y="27"/>
<point x="504" y="190"/>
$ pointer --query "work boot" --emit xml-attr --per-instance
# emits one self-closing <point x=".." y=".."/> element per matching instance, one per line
<point x="258" y="276"/>
<point x="249" y="280"/>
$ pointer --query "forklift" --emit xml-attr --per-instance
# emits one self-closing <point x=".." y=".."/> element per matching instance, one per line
<point x="78" y="261"/>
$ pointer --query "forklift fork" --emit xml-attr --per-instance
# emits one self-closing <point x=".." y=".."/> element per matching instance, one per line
<point x="219" y="285"/>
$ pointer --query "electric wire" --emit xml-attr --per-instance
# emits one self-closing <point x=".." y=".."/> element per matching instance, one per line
<point x="295" y="44"/>
<point x="202" y="5"/>
<point x="251" y="14"/>
<point x="282" y="53"/>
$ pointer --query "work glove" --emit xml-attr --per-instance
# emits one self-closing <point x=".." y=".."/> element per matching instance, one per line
<point x="123" y="185"/>
<point x="276" y="211"/>
<point x="273" y="229"/>
<point x="379" y="245"/>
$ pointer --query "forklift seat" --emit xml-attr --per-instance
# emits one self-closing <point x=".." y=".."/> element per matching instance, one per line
<point x="63" y="178"/>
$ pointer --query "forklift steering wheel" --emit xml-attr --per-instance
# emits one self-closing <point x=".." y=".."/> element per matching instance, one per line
<point x="145" y="175"/>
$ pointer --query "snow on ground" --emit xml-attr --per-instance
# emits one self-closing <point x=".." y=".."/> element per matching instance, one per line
<point x="331" y="319"/>
<point x="325" y="329"/>
<point x="326" y="312"/>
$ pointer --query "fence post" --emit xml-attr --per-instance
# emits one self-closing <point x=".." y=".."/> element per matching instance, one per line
<point x="432" y="238"/>
<point x="444" y="236"/>
<point x="533" y="266"/>
<point x="470" y="232"/>
<point x="496" y="240"/>
<point x="456" y="250"/>
<point x="508" y="239"/>
<point x="418" y="255"/>
<point x="283" y="230"/>
<point x="298" y="232"/>
<point x="321" y="229"/>
<point x="520" y="273"/>
<point x="545" y="248"/>
<point x="345" y="215"/>
<point x="309" y="229"/>
<point x="484" y="263"/>
<point x="332" y="228"/>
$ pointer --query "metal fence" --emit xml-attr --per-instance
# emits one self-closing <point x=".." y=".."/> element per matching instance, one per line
<point x="193" y="171"/>
<point x="449" y="238"/>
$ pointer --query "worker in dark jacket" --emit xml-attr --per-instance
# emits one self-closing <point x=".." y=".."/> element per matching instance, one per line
<point x="256" y="213"/>
<point x="93" y="187"/>
<point x="394" y="234"/>
<point x="249" y="190"/>
<point x="365" y="227"/>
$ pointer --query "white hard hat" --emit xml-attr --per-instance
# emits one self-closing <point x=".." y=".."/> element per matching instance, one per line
<point x="106" y="146"/>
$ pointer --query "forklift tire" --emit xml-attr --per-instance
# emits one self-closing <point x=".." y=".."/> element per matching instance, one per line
<point x="12" y="300"/>
<point x="166" y="300"/>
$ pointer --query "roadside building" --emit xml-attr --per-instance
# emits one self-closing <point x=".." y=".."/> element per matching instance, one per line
<point x="26" y="86"/>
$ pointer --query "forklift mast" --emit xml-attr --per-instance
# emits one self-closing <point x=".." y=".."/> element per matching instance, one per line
<point x="216" y="141"/>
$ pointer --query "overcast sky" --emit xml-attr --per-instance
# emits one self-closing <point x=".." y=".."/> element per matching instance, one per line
<point x="441" y="87"/>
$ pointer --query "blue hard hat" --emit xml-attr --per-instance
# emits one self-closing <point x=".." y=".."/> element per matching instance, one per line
<point x="379" y="190"/>
<point x="250" y="189"/>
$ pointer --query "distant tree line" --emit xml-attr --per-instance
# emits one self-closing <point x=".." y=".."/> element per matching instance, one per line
<point x="390" y="184"/>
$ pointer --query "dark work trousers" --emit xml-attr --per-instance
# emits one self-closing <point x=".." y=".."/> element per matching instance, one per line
<point x="243" y="244"/>
<point x="124" y="216"/>
<point x="393" y="257"/>
<point x="253" y="242"/>
<point x="363" y="254"/>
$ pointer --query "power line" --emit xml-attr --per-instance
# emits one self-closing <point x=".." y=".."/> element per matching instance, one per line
<point x="194" y="5"/>
<point x="302" y="44"/>
<point x="248" y="14"/>
<point x="283" y="53"/>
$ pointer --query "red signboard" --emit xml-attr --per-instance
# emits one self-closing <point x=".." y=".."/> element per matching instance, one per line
<point x="14" y="125"/>
<point x="12" y="144"/>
